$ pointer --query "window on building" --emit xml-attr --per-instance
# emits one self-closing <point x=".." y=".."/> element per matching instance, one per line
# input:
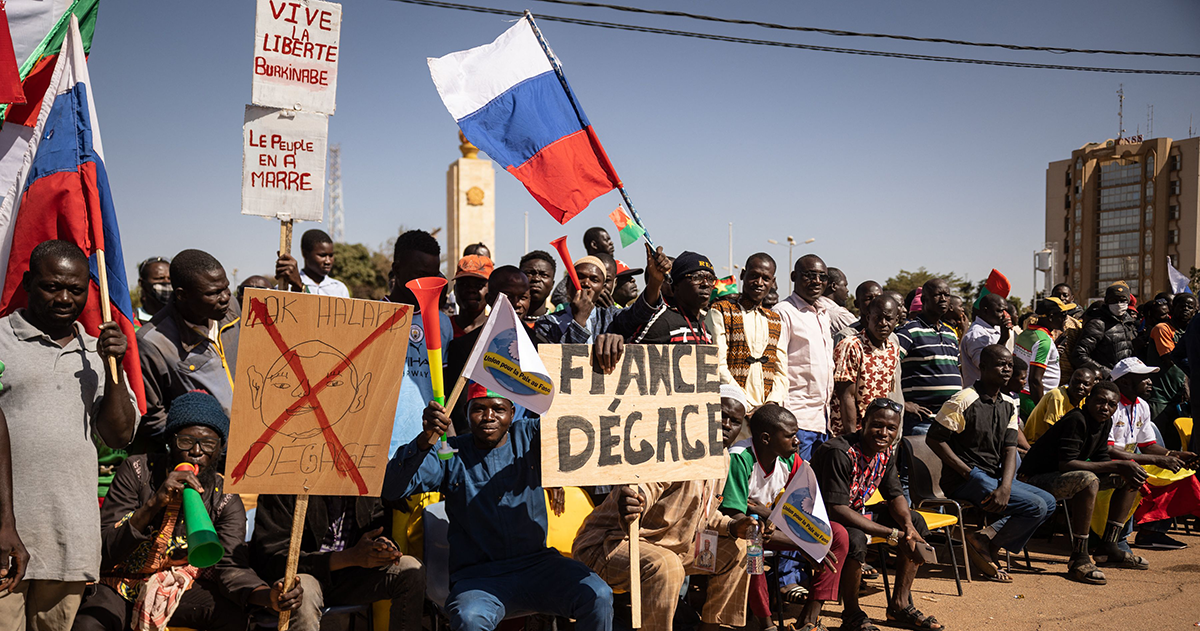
<point x="1173" y="212"/>
<point x="1077" y="258"/>
<point x="1174" y="260"/>
<point x="1176" y="162"/>
<point x="1068" y="178"/>
<point x="1172" y="237"/>
<point x="1067" y="224"/>
<point x="1078" y="164"/>
<point x="1149" y="215"/>
<point x="1067" y="201"/>
<point x="1120" y="197"/>
<point x="1120" y="221"/>
<point x="1149" y="191"/>
<point x="1147" y="265"/>
<point x="1174" y="187"/>
<point x="1117" y="244"/>
<point x="1117" y="174"/>
<point x="1149" y="240"/>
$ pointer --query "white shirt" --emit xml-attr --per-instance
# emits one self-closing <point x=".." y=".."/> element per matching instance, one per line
<point x="1131" y="426"/>
<point x="978" y="336"/>
<point x="328" y="286"/>
<point x="806" y="337"/>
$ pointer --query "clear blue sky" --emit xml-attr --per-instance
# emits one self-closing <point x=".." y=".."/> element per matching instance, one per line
<point x="888" y="164"/>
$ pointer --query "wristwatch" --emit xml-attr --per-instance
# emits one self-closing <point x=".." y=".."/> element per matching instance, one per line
<point x="893" y="539"/>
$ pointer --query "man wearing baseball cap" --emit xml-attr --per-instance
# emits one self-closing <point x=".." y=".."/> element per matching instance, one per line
<point x="470" y="281"/>
<point x="499" y="562"/>
<point x="626" y="290"/>
<point x="1132" y="438"/>
<point x="1108" y="332"/>
<point x="1036" y="346"/>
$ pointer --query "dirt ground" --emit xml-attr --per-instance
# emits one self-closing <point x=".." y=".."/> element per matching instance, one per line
<point x="1166" y="597"/>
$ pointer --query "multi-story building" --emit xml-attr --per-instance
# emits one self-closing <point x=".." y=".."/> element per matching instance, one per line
<point x="1120" y="210"/>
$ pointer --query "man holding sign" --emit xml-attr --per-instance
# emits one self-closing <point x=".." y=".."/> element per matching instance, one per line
<point x="499" y="562"/>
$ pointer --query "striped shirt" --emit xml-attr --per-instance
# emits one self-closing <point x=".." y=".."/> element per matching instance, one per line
<point x="929" y="370"/>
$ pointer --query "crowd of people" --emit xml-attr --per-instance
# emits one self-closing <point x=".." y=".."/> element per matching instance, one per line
<point x="1065" y="407"/>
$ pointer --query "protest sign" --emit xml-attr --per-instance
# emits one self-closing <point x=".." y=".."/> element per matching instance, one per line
<point x="283" y="164"/>
<point x="800" y="513"/>
<point x="296" y="54"/>
<point x="314" y="393"/>
<point x="656" y="418"/>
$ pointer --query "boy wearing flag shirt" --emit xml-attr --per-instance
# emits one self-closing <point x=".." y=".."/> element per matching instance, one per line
<point x="747" y="337"/>
<point x="499" y="562"/>
<point x="976" y="438"/>
<point x="1036" y="346"/>
<point x="760" y="468"/>
<point x="581" y="321"/>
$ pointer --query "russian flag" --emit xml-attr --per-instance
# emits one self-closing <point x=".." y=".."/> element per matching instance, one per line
<point x="509" y="101"/>
<point x="62" y="192"/>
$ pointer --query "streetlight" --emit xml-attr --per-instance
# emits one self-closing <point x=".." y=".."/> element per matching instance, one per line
<point x="791" y="243"/>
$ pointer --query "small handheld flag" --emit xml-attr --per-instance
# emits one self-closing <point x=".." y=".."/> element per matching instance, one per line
<point x="504" y="361"/>
<point x="629" y="229"/>
<point x="725" y="287"/>
<point x="800" y="513"/>
<point x="1179" y="283"/>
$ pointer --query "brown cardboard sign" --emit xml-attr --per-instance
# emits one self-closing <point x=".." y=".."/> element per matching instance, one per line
<point x="656" y="418"/>
<point x="315" y="393"/>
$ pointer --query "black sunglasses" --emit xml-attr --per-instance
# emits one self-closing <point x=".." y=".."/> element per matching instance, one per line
<point x="886" y="404"/>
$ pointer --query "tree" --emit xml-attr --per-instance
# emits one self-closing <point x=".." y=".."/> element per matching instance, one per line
<point x="358" y="267"/>
<point x="905" y="281"/>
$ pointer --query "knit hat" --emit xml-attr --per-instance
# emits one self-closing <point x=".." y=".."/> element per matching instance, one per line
<point x="197" y="408"/>
<point x="593" y="260"/>
<point x="689" y="262"/>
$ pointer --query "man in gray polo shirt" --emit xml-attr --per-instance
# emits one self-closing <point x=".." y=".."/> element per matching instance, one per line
<point x="57" y="394"/>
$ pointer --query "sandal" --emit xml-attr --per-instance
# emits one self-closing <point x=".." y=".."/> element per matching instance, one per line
<point x="982" y="562"/>
<point x="912" y="618"/>
<point x="860" y="622"/>
<point x="796" y="595"/>
<point x="1086" y="573"/>
<point x="869" y="572"/>
<point x="1002" y="576"/>
<point x="1126" y="560"/>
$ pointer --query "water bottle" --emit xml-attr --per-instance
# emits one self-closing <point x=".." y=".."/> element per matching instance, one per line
<point x="754" y="550"/>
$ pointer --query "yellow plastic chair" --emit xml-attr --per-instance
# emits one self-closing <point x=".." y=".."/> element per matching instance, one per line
<point x="933" y="521"/>
<point x="561" y="529"/>
<point x="1183" y="425"/>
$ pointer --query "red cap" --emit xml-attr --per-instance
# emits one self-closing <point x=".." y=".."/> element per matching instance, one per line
<point x="475" y="265"/>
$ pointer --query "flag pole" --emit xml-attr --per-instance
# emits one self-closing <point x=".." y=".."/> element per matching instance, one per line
<point x="562" y="78"/>
<point x="106" y="308"/>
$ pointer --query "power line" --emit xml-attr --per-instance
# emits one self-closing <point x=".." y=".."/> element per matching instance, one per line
<point x="840" y="33"/>
<point x="826" y="49"/>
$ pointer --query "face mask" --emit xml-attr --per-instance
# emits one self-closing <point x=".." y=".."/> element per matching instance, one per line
<point x="162" y="292"/>
<point x="1119" y="308"/>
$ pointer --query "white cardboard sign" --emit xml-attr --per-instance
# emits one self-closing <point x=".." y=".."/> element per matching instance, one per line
<point x="283" y="164"/>
<point x="296" y="53"/>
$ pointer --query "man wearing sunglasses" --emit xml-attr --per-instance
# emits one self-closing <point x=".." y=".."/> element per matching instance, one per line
<point x="143" y="578"/>
<point x="679" y="320"/>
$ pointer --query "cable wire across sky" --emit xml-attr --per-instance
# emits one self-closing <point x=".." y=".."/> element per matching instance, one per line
<point x="839" y="33"/>
<point x="827" y="49"/>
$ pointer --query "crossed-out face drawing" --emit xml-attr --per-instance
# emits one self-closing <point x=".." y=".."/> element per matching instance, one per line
<point x="274" y="392"/>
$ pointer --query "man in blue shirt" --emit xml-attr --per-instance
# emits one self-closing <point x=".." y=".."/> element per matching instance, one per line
<point x="499" y="562"/>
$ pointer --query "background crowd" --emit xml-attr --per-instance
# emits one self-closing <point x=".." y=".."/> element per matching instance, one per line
<point x="1071" y="409"/>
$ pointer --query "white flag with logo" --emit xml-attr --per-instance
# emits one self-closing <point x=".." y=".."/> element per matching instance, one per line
<point x="1179" y="282"/>
<point x="505" y="361"/>
<point x="800" y="513"/>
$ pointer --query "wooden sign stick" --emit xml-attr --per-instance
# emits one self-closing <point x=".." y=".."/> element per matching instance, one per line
<point x="285" y="247"/>
<point x="106" y="308"/>
<point x="289" y="576"/>
<point x="635" y="572"/>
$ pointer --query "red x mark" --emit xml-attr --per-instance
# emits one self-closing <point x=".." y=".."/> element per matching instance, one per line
<point x="342" y="462"/>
